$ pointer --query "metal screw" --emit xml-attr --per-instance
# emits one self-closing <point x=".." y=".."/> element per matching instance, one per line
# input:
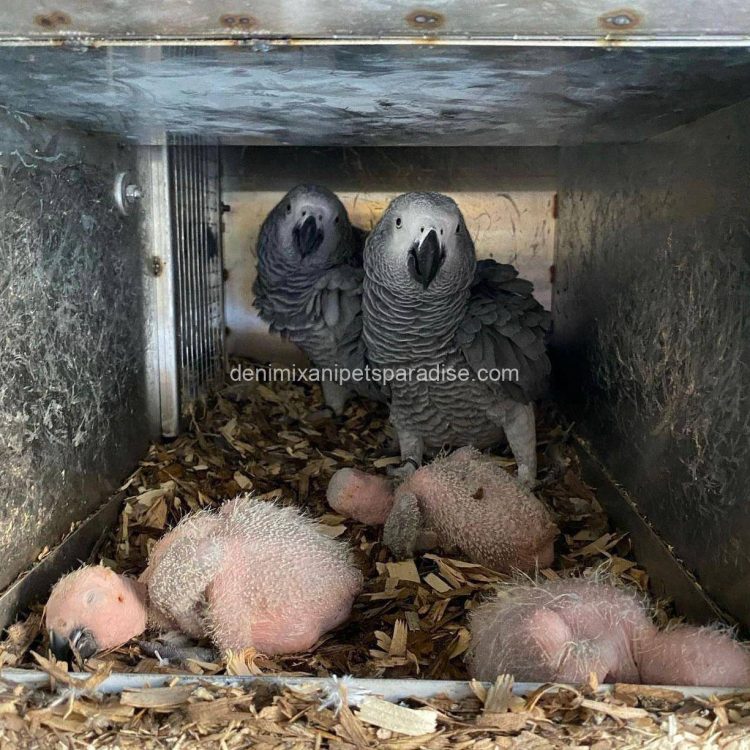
<point x="126" y="193"/>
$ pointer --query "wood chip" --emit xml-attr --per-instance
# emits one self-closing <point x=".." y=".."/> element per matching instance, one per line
<point x="648" y="692"/>
<point x="437" y="583"/>
<point x="409" y="721"/>
<point x="242" y="481"/>
<point x="405" y="570"/>
<point x="625" y="713"/>
<point x="398" y="639"/>
<point x="157" y="698"/>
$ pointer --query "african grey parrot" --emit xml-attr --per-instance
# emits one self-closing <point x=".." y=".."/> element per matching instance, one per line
<point x="309" y="283"/>
<point x="427" y="302"/>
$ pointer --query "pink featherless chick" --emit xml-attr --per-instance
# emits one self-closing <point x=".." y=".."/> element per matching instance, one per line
<point x="253" y="574"/>
<point x="562" y="631"/>
<point x="463" y="502"/>
<point x="250" y="574"/>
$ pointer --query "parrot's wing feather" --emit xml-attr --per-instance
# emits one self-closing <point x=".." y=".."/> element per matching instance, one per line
<point x="336" y="302"/>
<point x="505" y="328"/>
<point x="261" y="290"/>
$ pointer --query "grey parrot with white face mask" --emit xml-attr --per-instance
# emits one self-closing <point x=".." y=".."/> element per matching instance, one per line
<point x="427" y="302"/>
<point x="309" y="283"/>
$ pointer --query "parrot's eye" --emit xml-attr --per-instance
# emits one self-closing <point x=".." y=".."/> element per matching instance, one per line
<point x="398" y="221"/>
<point x="289" y="208"/>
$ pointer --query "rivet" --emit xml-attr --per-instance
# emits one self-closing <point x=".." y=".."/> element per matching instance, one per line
<point x="52" y="21"/>
<point x="230" y="20"/>
<point x="425" y="18"/>
<point x="619" y="20"/>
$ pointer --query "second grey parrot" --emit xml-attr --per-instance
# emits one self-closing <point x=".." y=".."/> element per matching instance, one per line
<point x="309" y="283"/>
<point x="426" y="303"/>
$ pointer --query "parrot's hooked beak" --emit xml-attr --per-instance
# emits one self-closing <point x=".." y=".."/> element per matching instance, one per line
<point x="425" y="259"/>
<point x="308" y="237"/>
<point x="80" y="640"/>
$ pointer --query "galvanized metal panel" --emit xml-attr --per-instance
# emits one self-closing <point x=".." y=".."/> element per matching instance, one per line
<point x="71" y="382"/>
<point x="311" y="19"/>
<point x="652" y="334"/>
<point x="395" y="96"/>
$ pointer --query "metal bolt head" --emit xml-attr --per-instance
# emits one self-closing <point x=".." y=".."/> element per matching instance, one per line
<point x="126" y="193"/>
<point x="623" y="19"/>
<point x="425" y="19"/>
<point x="133" y="193"/>
<point x="619" y="20"/>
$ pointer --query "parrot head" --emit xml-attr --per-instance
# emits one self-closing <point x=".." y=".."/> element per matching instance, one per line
<point x="94" y="609"/>
<point x="312" y="228"/>
<point x="421" y="243"/>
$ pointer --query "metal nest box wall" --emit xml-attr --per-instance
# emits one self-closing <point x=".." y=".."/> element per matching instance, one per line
<point x="388" y="74"/>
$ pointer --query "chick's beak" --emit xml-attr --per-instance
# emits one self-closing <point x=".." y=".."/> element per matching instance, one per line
<point x="59" y="646"/>
<point x="308" y="237"/>
<point x="81" y="641"/>
<point x="425" y="259"/>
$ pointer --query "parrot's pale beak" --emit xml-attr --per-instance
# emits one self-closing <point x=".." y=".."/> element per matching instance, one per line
<point x="308" y="237"/>
<point x="425" y="259"/>
<point x="81" y="641"/>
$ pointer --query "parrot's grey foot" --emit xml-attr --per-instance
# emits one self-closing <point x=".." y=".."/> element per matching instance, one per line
<point x="525" y="477"/>
<point x="412" y="450"/>
<point x="520" y="429"/>
<point x="335" y="396"/>
<point x="391" y="444"/>
<point x="403" y="528"/>
<point x="165" y="651"/>
<point x="402" y="472"/>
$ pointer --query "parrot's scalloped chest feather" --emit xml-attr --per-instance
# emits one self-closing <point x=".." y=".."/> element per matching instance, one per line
<point x="445" y="413"/>
<point x="442" y="412"/>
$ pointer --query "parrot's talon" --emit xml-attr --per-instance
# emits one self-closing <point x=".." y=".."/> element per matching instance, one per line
<point x="402" y="472"/>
